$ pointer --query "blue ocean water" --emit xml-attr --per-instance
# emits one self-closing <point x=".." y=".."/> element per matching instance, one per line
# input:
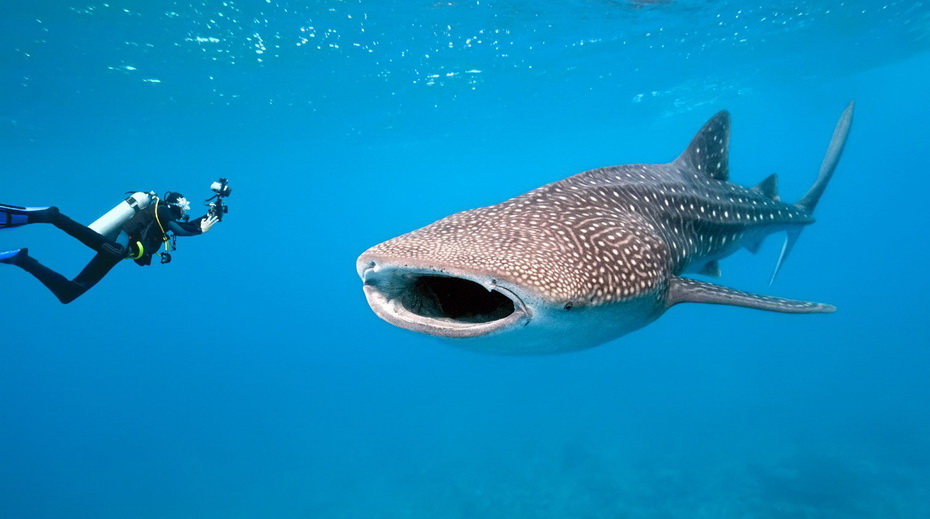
<point x="249" y="378"/>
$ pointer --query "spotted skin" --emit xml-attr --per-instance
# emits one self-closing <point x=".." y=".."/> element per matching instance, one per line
<point x="611" y="235"/>
<point x="606" y="234"/>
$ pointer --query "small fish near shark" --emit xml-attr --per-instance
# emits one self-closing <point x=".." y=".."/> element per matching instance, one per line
<point x="584" y="260"/>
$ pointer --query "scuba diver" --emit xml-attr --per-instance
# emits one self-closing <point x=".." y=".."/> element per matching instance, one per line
<point x="134" y="229"/>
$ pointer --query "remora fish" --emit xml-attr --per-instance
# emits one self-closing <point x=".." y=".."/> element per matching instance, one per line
<point x="587" y="259"/>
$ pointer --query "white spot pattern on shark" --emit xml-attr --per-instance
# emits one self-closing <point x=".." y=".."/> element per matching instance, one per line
<point x="589" y="258"/>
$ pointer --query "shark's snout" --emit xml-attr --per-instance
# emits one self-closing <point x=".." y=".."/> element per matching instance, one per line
<point x="438" y="302"/>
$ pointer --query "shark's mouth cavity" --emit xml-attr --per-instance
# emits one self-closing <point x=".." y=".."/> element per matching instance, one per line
<point x="458" y="299"/>
<point x="438" y="303"/>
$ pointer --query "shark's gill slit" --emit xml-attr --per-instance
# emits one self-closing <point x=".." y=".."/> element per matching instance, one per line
<point x="445" y="297"/>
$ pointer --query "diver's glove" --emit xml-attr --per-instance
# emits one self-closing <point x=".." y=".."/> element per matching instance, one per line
<point x="207" y="223"/>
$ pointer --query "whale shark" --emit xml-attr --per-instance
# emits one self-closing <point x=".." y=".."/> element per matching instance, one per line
<point x="582" y="261"/>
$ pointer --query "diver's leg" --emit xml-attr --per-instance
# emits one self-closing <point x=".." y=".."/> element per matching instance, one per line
<point x="84" y="234"/>
<point x="100" y="265"/>
<point x="64" y="289"/>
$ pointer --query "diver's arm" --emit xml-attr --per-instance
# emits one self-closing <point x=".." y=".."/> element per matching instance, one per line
<point x="191" y="228"/>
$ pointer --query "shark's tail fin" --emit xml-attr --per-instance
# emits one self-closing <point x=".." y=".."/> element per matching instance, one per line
<point x="809" y="201"/>
<point x="830" y="160"/>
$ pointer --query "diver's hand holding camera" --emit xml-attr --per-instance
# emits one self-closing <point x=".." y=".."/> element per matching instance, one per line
<point x="215" y="202"/>
<point x="207" y="223"/>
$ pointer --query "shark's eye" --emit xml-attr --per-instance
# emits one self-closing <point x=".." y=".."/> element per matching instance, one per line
<point x="569" y="305"/>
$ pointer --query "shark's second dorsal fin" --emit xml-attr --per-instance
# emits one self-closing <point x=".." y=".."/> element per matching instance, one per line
<point x="708" y="152"/>
<point x="768" y="187"/>
<point x="684" y="290"/>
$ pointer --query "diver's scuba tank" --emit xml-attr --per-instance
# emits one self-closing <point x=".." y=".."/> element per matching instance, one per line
<point x="109" y="224"/>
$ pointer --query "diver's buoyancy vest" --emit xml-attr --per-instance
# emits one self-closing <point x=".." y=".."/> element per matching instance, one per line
<point x="143" y="227"/>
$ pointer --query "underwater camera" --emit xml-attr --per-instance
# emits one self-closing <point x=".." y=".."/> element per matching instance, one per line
<point x="215" y="202"/>
<point x="221" y="187"/>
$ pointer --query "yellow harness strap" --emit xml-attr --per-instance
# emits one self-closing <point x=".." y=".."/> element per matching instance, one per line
<point x="139" y="252"/>
<point x="164" y="237"/>
<point x="164" y="233"/>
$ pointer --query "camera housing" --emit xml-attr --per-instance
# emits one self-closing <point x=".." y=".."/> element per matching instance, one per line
<point x="221" y="187"/>
<point x="215" y="202"/>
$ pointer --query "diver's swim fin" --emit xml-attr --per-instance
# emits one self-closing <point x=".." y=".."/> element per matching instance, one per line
<point x="11" y="257"/>
<point x="14" y="215"/>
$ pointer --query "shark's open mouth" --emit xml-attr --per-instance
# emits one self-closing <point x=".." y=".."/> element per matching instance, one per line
<point x="441" y="304"/>
<point x="461" y="300"/>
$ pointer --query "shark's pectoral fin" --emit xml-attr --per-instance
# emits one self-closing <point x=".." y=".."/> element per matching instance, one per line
<point x="683" y="290"/>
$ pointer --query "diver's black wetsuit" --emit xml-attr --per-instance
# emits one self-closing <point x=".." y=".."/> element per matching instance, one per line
<point x="148" y="230"/>
<point x="142" y="227"/>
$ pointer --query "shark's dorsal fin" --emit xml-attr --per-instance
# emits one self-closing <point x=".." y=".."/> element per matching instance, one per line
<point x="707" y="152"/>
<point x="684" y="290"/>
<point x="768" y="187"/>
